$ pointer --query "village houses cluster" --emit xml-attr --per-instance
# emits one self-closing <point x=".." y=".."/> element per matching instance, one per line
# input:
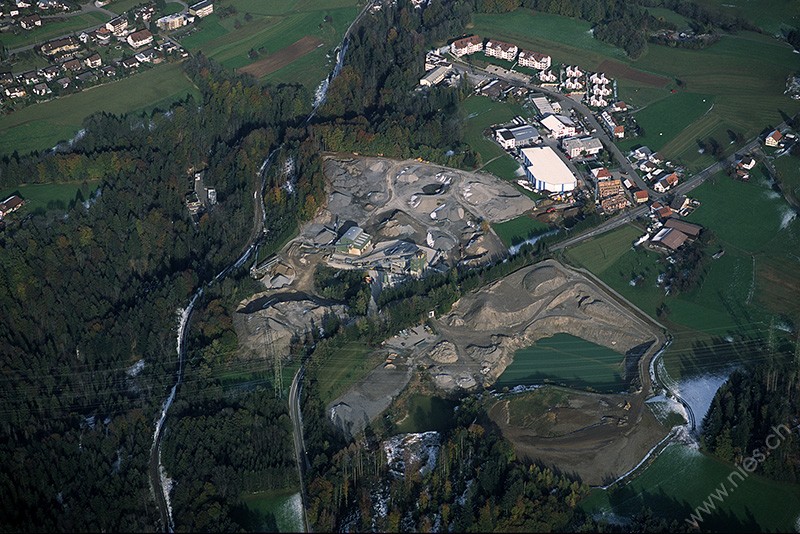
<point x="76" y="61"/>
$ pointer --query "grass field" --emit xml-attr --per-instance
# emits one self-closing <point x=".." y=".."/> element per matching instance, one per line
<point x="481" y="113"/>
<point x="349" y="363"/>
<point x="771" y="15"/>
<point x="51" y="29"/>
<point x="567" y="360"/>
<point x="665" y="119"/>
<point x="48" y="196"/>
<point x="41" y="126"/>
<point x="680" y="479"/>
<point x="275" y="26"/>
<point x="519" y="229"/>
<point x="599" y="254"/>
<point x="668" y="15"/>
<point x="788" y="168"/>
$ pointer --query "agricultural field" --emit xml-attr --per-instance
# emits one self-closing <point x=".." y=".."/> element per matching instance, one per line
<point x="347" y="365"/>
<point x="52" y="29"/>
<point x="41" y="197"/>
<point x="788" y="168"/>
<point x="41" y="126"/>
<point x="567" y="360"/>
<point x="480" y="113"/>
<point x="772" y="16"/>
<point x="681" y="478"/>
<point x="285" y="41"/>
<point x="664" y="120"/>
<point x="740" y="292"/>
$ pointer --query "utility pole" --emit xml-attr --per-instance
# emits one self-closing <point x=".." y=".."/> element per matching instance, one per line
<point x="270" y="354"/>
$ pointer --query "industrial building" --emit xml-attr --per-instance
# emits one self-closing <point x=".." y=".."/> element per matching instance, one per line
<point x="355" y="242"/>
<point x="576" y="147"/>
<point x="516" y="137"/>
<point x="435" y="76"/>
<point x="546" y="171"/>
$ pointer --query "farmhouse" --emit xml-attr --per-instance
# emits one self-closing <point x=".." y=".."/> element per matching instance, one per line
<point x="172" y="22"/>
<point x="140" y="38"/>
<point x="746" y="163"/>
<point x="691" y="230"/>
<point x="576" y="147"/>
<point x="10" y="205"/>
<point x="546" y="171"/>
<point x="534" y="60"/>
<point x="516" y="137"/>
<point x="355" y="242"/>
<point x="435" y="76"/>
<point x="30" y="22"/>
<point x="774" y="138"/>
<point x="559" y="126"/>
<point x="202" y="9"/>
<point x="671" y="238"/>
<point x="466" y="46"/>
<point x="501" y="50"/>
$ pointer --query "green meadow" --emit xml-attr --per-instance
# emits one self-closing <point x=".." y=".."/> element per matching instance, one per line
<point x="52" y="29"/>
<point x="49" y="196"/>
<point x="41" y="126"/>
<point x="663" y="120"/>
<point x="519" y="229"/>
<point x="480" y="113"/>
<point x="681" y="479"/>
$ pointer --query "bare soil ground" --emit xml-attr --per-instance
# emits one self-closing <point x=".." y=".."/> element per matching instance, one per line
<point x="282" y="57"/>
<point x="615" y="69"/>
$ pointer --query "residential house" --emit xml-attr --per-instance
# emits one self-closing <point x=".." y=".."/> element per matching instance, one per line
<point x="662" y="211"/>
<point x="609" y="188"/>
<point x="22" y="4"/>
<point x="599" y="78"/>
<point x="41" y="89"/>
<point x="202" y="9"/>
<point x="597" y="101"/>
<point x="130" y="63"/>
<point x="573" y="71"/>
<point x="93" y="61"/>
<point x="10" y="205"/>
<point x="657" y="158"/>
<point x="147" y="56"/>
<point x="117" y="26"/>
<point x="6" y="78"/>
<point x="548" y="76"/>
<point x="559" y="126"/>
<point x="86" y="77"/>
<point x="501" y="50"/>
<point x="642" y="152"/>
<point x="614" y="203"/>
<point x="466" y="46"/>
<point x="68" y="44"/>
<point x="601" y="174"/>
<point x="13" y="12"/>
<point x="534" y="60"/>
<point x="29" y="78"/>
<point x="83" y="37"/>
<point x="140" y="38"/>
<point x="615" y="129"/>
<point x="30" y="22"/>
<point x="73" y="65"/>
<point x="64" y="82"/>
<point x="15" y="92"/>
<point x="109" y="71"/>
<point x="774" y="138"/>
<point x="620" y="106"/>
<point x="433" y="60"/>
<point x="747" y="163"/>
<point x="665" y="183"/>
<point x="585" y="146"/>
<point x="103" y="36"/>
<point x="50" y="73"/>
<point x="641" y="197"/>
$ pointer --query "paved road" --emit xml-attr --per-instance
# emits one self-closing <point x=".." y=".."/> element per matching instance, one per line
<point x="297" y="433"/>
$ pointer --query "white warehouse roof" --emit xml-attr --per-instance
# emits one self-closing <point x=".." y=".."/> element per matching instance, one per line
<point x="547" y="169"/>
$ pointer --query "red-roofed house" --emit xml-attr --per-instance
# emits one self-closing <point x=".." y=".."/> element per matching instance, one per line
<point x="534" y="60"/>
<point x="773" y="138"/>
<point x="466" y="46"/>
<point x="10" y="205"/>
<point x="641" y="197"/>
<point x="501" y="50"/>
<point x="140" y="38"/>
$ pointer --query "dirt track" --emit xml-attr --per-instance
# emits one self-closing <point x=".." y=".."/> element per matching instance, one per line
<point x="282" y="57"/>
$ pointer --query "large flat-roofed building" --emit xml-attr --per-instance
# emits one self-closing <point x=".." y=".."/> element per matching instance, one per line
<point x="435" y="76"/>
<point x="466" y="46"/>
<point x="171" y="22"/>
<point x="355" y="241"/>
<point x="576" y="147"/>
<point x="559" y="126"/>
<point x="516" y="137"/>
<point x="543" y="106"/>
<point x="547" y="171"/>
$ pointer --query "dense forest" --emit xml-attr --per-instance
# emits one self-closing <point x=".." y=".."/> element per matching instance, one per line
<point x="755" y="415"/>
